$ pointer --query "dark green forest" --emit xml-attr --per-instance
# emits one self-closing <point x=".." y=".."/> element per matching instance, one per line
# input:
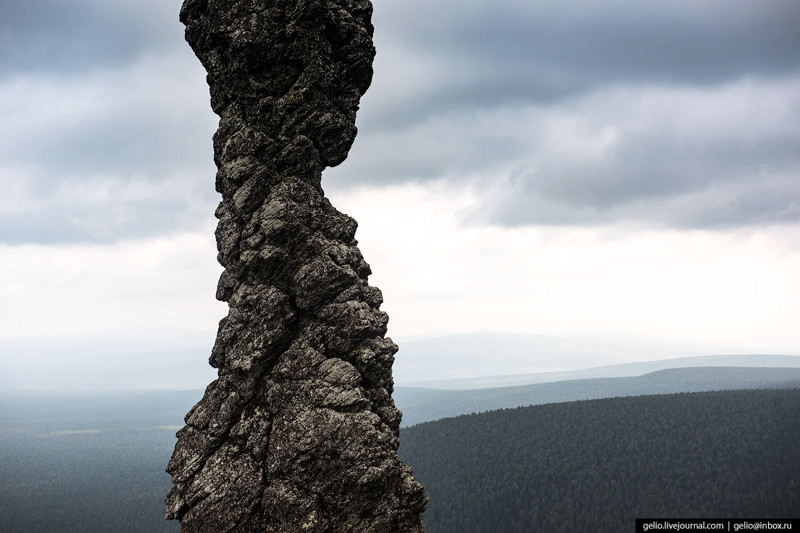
<point x="85" y="482"/>
<point x="87" y="464"/>
<point x="96" y="464"/>
<point x="597" y="465"/>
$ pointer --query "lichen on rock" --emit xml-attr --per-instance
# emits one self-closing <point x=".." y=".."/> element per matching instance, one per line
<point x="299" y="431"/>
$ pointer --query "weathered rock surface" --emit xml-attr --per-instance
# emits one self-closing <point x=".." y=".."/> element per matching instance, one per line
<point x="299" y="432"/>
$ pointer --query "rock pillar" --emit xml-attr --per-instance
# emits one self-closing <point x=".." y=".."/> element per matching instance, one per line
<point x="299" y="432"/>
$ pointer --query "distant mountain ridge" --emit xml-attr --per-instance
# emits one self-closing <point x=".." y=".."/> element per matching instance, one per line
<point x="109" y="362"/>
<point x="82" y="409"/>
<point x="612" y="371"/>
<point x="426" y="404"/>
<point x="518" y="358"/>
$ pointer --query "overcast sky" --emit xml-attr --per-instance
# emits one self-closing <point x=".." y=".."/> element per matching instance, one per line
<point x="583" y="168"/>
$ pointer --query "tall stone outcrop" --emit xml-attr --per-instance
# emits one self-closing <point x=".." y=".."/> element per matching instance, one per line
<point x="299" y="432"/>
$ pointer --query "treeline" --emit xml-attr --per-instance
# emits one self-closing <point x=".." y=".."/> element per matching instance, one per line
<point x="598" y="465"/>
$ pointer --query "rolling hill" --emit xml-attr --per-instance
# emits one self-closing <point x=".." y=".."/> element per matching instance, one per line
<point x="424" y="404"/>
<point x="598" y="465"/>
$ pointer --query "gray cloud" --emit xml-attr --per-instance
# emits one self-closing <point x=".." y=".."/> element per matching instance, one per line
<point x="113" y="143"/>
<point x="718" y="206"/>
<point x="51" y="36"/>
<point x="496" y="53"/>
<point x="518" y="101"/>
<point x="133" y="139"/>
<point x="574" y="112"/>
<point x="730" y="173"/>
<point x="104" y="223"/>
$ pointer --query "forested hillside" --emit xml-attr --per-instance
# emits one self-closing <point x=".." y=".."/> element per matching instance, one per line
<point x="97" y="464"/>
<point x="597" y="465"/>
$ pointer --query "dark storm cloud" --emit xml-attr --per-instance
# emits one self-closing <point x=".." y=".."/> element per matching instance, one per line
<point x="720" y="205"/>
<point x="493" y="53"/>
<point x="515" y="98"/>
<point x="129" y="140"/>
<point x="54" y="36"/>
<point x="573" y="112"/>
<point x="107" y="128"/>
<point x="689" y="166"/>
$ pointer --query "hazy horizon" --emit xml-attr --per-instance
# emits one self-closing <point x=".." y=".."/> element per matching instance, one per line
<point x="122" y="361"/>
